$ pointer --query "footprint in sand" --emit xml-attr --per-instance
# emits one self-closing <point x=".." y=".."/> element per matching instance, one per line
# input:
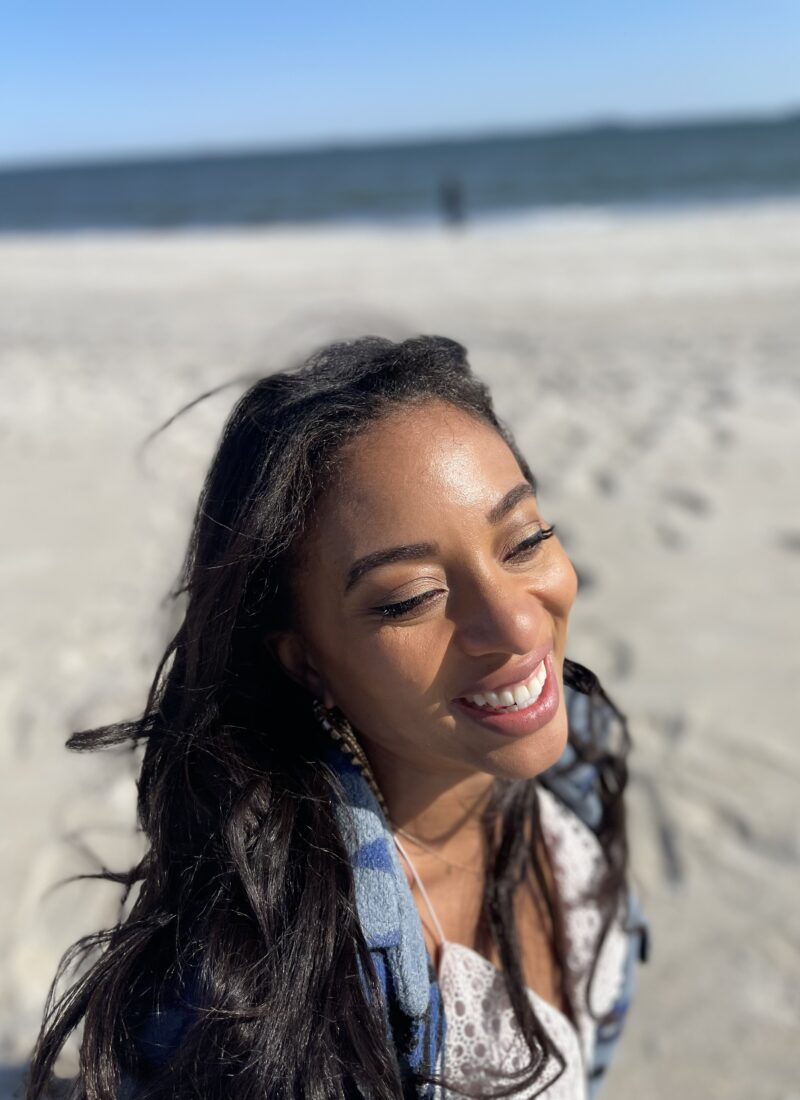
<point x="672" y="725"/>
<point x="789" y="541"/>
<point x="723" y="437"/>
<point x="673" y="867"/>
<point x="622" y="656"/>
<point x="669" y="536"/>
<point x="606" y="482"/>
<point x="688" y="499"/>
<point x="643" y="438"/>
<point x="716" y="398"/>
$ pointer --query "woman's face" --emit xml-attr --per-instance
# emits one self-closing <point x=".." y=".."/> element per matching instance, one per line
<point x="466" y="600"/>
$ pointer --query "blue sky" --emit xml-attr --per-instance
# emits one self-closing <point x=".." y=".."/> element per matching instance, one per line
<point x="85" y="79"/>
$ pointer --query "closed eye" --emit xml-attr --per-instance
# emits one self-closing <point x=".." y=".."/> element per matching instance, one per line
<point x="524" y="549"/>
<point x="533" y="541"/>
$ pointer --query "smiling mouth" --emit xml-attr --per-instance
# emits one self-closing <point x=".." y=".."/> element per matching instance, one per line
<point x="516" y="697"/>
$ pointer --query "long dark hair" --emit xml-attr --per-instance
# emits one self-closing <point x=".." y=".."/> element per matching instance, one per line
<point x="244" y="901"/>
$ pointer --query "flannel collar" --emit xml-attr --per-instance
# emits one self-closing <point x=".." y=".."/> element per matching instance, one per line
<point x="386" y="908"/>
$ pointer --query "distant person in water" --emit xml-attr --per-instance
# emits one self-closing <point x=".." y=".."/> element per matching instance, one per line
<point x="384" y="811"/>
<point x="451" y="201"/>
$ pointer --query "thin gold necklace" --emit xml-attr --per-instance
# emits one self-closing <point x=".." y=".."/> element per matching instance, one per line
<point x="436" y="855"/>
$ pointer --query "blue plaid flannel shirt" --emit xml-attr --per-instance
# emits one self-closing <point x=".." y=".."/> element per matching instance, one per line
<point x="416" y="1023"/>
<point x="393" y="930"/>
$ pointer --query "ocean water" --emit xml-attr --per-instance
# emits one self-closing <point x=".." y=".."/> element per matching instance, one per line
<point x="452" y="180"/>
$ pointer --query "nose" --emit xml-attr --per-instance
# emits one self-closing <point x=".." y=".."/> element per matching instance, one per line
<point x="499" y="616"/>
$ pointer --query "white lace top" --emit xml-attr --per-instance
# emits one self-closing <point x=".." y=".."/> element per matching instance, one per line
<point x="482" y="1038"/>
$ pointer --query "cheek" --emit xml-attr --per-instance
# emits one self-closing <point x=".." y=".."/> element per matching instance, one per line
<point x="390" y="668"/>
<point x="408" y="658"/>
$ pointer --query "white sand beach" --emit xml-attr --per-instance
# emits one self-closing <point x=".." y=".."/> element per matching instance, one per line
<point x="650" y="366"/>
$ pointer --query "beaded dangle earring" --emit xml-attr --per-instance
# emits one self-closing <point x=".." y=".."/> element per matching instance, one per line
<point x="338" y="727"/>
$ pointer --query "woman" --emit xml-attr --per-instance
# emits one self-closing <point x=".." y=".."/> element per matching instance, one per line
<point x="384" y="811"/>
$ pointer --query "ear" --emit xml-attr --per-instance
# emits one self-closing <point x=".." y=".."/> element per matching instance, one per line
<point x="289" y="650"/>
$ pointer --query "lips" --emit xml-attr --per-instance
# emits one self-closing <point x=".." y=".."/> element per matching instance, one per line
<point x="522" y="695"/>
<point x="509" y="678"/>
<point x="513" y="722"/>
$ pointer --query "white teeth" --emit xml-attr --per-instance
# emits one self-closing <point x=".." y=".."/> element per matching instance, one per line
<point x="521" y="695"/>
<point x="517" y="698"/>
<point x="536" y="691"/>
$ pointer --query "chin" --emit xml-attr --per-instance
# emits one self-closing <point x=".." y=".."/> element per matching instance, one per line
<point x="529" y="756"/>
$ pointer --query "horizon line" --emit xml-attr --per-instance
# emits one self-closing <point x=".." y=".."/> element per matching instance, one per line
<point x="587" y="124"/>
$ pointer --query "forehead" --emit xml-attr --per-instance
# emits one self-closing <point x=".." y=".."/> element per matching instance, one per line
<point x="416" y="467"/>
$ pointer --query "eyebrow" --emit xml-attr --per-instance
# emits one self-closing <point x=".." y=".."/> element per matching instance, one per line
<point x="418" y="551"/>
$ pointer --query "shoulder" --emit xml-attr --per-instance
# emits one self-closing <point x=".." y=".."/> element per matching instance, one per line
<point x="571" y="812"/>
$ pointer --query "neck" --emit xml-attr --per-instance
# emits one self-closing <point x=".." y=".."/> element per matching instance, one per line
<point x="443" y="809"/>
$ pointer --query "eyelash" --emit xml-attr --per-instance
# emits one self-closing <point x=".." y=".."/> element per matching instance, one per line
<point x="398" y="610"/>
